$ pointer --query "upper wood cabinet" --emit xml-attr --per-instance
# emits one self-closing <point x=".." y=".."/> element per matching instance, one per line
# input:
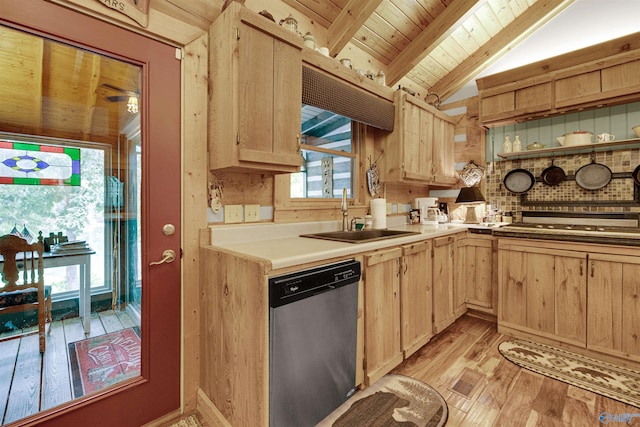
<point x="255" y="72"/>
<point x="524" y="98"/>
<point x="604" y="74"/>
<point x="420" y="149"/>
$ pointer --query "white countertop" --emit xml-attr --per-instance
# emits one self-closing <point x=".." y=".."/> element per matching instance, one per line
<point x="281" y="245"/>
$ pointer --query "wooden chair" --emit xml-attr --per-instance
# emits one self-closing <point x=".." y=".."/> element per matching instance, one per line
<point x="18" y="294"/>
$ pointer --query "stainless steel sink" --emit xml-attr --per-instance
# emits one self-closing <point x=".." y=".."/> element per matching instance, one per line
<point x="360" y="236"/>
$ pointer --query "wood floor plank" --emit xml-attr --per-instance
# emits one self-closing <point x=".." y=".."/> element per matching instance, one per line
<point x="126" y="320"/>
<point x="110" y="321"/>
<point x="550" y="399"/>
<point x="517" y="409"/>
<point x="8" y="358"/>
<point x="56" y="377"/>
<point x="24" y="398"/>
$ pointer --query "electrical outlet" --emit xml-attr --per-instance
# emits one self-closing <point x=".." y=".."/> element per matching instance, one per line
<point x="232" y="214"/>
<point x="251" y="213"/>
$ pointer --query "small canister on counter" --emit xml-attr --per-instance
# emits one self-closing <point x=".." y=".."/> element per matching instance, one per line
<point x="368" y="222"/>
<point x="506" y="217"/>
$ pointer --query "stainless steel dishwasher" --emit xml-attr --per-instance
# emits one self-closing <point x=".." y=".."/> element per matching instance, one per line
<point x="312" y="342"/>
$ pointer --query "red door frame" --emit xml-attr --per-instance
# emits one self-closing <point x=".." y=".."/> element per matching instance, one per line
<point x="157" y="392"/>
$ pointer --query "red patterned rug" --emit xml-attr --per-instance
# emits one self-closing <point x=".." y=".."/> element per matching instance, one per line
<point x="99" y="362"/>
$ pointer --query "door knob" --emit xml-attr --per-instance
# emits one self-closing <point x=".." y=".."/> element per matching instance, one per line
<point x="167" y="256"/>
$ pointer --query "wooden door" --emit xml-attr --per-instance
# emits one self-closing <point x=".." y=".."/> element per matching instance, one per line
<point x="269" y="74"/>
<point x="382" y="313"/>
<point x="416" y="141"/>
<point x="416" y="297"/>
<point x="156" y="391"/>
<point x="613" y="311"/>
<point x="443" y="282"/>
<point x="476" y="271"/>
<point x="570" y="278"/>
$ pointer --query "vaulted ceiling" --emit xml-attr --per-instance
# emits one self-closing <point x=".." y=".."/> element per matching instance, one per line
<point x="439" y="45"/>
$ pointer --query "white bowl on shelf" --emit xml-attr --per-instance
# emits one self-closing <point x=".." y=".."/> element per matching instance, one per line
<point x="636" y="130"/>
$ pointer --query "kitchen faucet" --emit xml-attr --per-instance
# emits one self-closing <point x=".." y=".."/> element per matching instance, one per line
<point x="345" y="212"/>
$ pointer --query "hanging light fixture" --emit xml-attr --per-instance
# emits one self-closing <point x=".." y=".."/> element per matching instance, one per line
<point x="132" y="105"/>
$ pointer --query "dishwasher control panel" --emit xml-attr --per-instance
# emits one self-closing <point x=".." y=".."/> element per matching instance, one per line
<point x="302" y="284"/>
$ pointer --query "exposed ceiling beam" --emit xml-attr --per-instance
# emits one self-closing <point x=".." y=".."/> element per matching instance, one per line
<point x="348" y="22"/>
<point x="92" y="95"/>
<point x="430" y="38"/>
<point x="524" y="25"/>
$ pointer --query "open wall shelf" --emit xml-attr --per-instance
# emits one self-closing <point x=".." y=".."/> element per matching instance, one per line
<point x="598" y="146"/>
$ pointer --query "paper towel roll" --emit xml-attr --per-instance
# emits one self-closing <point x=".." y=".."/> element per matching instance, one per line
<point x="379" y="213"/>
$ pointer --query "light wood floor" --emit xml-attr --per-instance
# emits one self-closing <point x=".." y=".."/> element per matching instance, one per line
<point x="29" y="382"/>
<point x="491" y="391"/>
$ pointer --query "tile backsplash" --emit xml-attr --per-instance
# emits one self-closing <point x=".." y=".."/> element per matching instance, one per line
<point x="617" y="196"/>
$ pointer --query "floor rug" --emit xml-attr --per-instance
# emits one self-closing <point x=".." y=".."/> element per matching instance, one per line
<point x="599" y="377"/>
<point x="99" y="362"/>
<point x="392" y="400"/>
<point x="190" y="421"/>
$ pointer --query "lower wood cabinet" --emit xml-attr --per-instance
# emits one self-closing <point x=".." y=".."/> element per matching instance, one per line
<point x="409" y="295"/>
<point x="416" y="297"/>
<point x="382" y="313"/>
<point x="448" y="295"/>
<point x="477" y="262"/>
<point x="585" y="296"/>
<point x="543" y="291"/>
<point x="613" y="321"/>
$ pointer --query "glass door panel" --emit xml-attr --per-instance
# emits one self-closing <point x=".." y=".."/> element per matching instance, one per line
<point x="71" y="158"/>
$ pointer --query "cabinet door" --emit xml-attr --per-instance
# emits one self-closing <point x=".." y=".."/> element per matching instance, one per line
<point x="443" y="283"/>
<point x="416" y="297"/>
<point x="417" y="143"/>
<point x="443" y="151"/>
<point x="543" y="291"/>
<point x="382" y="313"/>
<point x="570" y="278"/>
<point x="270" y="92"/>
<point x="476" y="271"/>
<point x="540" y="307"/>
<point x="576" y="89"/>
<point x="512" y="281"/>
<point x="613" y="308"/>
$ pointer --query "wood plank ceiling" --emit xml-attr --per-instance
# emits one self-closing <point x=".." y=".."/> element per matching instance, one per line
<point x="439" y="45"/>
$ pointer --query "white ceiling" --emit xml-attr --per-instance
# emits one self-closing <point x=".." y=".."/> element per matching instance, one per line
<point x="584" y="23"/>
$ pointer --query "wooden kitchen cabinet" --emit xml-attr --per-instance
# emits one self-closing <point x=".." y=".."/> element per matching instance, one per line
<point x="524" y="98"/>
<point x="543" y="290"/>
<point x="477" y="271"/>
<point x="613" y="321"/>
<point x="448" y="294"/>
<point x="420" y="149"/>
<point x="383" y="350"/>
<point x="604" y="74"/>
<point x="255" y="97"/>
<point x="416" y="297"/>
